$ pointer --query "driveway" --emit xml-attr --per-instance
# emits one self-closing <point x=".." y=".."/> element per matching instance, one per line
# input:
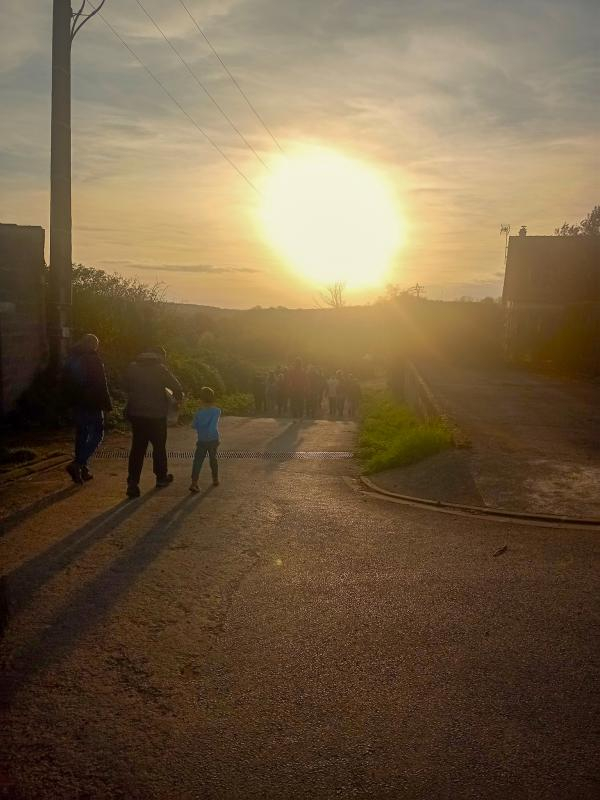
<point x="535" y="439"/>
<point x="285" y="636"/>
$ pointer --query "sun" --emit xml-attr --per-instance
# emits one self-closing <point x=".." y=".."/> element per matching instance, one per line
<point x="331" y="218"/>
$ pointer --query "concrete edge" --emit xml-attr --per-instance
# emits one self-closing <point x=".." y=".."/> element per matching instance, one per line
<point x="41" y="465"/>
<point x="498" y="513"/>
<point x="459" y="437"/>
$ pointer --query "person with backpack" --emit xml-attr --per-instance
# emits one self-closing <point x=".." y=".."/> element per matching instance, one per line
<point x="150" y="386"/>
<point x="87" y="394"/>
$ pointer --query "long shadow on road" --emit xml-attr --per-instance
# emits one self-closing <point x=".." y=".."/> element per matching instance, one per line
<point x="93" y="602"/>
<point x="286" y="442"/>
<point x="23" y="582"/>
<point x="22" y="514"/>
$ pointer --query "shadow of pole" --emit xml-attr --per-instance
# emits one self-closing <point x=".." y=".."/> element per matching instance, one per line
<point x="92" y="602"/>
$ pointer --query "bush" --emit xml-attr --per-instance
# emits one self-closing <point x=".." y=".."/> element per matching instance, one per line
<point x="236" y="405"/>
<point x="194" y="373"/>
<point x="390" y="435"/>
<point x="231" y="405"/>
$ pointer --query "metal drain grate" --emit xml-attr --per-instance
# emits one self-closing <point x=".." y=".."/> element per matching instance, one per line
<point x="299" y="455"/>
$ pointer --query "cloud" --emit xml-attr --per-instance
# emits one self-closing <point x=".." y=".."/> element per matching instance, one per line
<point x="207" y="269"/>
<point x="479" y="112"/>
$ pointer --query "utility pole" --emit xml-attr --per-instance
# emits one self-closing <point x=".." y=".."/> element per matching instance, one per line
<point x="65" y="25"/>
<point x="59" y="311"/>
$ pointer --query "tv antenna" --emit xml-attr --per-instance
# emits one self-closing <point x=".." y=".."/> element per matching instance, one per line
<point x="505" y="229"/>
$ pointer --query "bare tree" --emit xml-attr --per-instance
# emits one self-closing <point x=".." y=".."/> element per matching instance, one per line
<point x="333" y="296"/>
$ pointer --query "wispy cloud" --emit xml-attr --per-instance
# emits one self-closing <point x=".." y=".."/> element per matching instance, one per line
<point x="207" y="269"/>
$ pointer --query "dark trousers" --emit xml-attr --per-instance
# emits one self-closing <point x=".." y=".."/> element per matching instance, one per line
<point x="204" y="449"/>
<point x="89" y="432"/>
<point x="311" y="405"/>
<point x="297" y="405"/>
<point x="145" y="431"/>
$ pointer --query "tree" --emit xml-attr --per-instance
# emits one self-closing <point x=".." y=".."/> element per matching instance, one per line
<point x="394" y="294"/>
<point x="589" y="226"/>
<point x="333" y="296"/>
<point x="124" y="313"/>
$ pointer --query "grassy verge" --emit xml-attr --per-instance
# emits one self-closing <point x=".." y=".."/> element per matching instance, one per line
<point x="390" y="435"/>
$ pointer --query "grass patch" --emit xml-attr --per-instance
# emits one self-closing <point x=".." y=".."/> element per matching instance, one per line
<point x="390" y="435"/>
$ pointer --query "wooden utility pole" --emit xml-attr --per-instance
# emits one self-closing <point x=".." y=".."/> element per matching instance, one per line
<point x="59" y="310"/>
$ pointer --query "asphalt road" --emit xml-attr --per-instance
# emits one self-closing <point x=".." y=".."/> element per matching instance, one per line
<point x="535" y="438"/>
<point x="282" y="636"/>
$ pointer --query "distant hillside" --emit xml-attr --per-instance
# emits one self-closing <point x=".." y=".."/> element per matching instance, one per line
<point x="211" y="311"/>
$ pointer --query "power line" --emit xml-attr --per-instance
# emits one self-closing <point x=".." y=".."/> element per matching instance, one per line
<point x="234" y="81"/>
<point x="199" y="82"/>
<point x="177" y="103"/>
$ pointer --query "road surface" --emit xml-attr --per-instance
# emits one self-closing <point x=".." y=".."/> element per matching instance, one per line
<point x="535" y="438"/>
<point x="283" y="636"/>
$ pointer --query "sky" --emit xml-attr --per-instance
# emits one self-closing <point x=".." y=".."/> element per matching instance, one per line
<point x="475" y="112"/>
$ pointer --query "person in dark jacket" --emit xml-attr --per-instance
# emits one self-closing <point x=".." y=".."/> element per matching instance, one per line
<point x="150" y="387"/>
<point x="296" y="382"/>
<point x="88" y="396"/>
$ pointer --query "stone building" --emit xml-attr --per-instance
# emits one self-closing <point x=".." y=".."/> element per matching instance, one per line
<point x="23" y="342"/>
<point x="552" y="300"/>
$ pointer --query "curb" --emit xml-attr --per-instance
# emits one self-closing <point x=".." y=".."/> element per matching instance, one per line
<point x="498" y="513"/>
<point x="459" y="437"/>
<point x="41" y="465"/>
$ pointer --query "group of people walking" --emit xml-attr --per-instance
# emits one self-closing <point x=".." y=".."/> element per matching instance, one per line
<point x="151" y="388"/>
<point x="300" y="391"/>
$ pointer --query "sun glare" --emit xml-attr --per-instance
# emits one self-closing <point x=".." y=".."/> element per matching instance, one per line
<point x="331" y="218"/>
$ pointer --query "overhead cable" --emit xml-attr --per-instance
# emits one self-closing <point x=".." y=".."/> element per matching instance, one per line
<point x="234" y="81"/>
<point x="200" y="84"/>
<point x="178" y="104"/>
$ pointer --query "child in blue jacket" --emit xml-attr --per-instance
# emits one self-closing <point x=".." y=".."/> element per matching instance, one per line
<point x="206" y="425"/>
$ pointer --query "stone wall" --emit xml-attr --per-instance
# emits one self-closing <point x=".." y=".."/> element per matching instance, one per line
<point x="23" y="343"/>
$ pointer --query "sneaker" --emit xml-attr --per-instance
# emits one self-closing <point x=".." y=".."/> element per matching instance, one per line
<point x="194" y="488"/>
<point x="86" y="474"/>
<point x="74" y="471"/>
<point x="162" y="482"/>
<point x="133" y="490"/>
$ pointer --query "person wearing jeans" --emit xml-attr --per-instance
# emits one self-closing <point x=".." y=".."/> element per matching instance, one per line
<point x="89" y="433"/>
<point x="147" y="383"/>
<point x="206" y="425"/>
<point x="87" y="393"/>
